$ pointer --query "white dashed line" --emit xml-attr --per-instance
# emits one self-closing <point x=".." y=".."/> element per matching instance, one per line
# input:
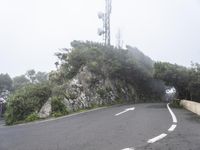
<point x="172" y="128"/>
<point x="172" y="114"/>
<point x="157" y="138"/>
<point x="161" y="136"/>
<point x="126" y="110"/>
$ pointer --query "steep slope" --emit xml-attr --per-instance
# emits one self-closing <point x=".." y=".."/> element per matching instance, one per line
<point x="92" y="74"/>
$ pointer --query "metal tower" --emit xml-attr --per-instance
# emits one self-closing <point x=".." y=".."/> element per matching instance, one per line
<point x="105" y="32"/>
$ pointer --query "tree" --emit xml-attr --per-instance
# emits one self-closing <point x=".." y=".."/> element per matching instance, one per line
<point x="41" y="77"/>
<point x="185" y="80"/>
<point x="30" y="77"/>
<point x="5" y="82"/>
<point x="194" y="88"/>
<point x="31" y="74"/>
<point x="20" y="81"/>
<point x="194" y="85"/>
<point x="129" y="65"/>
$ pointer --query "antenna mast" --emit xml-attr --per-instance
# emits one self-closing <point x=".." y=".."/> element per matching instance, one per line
<point x="105" y="32"/>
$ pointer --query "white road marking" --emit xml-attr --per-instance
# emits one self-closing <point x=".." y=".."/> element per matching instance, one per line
<point x="172" y="128"/>
<point x="131" y="148"/>
<point x="157" y="138"/>
<point x="161" y="136"/>
<point x="126" y="110"/>
<point x="172" y="114"/>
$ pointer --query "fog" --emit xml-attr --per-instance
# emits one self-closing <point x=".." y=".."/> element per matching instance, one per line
<point x="31" y="31"/>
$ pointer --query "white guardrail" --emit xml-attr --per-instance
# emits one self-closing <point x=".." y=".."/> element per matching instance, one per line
<point x="191" y="106"/>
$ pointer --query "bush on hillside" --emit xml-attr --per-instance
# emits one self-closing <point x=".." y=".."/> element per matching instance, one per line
<point x="58" y="108"/>
<point x="128" y="65"/>
<point x="185" y="80"/>
<point x="32" y="117"/>
<point x="26" y="101"/>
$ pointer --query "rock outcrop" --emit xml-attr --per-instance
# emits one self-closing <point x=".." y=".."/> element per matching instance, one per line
<point x="91" y="74"/>
<point x="87" y="90"/>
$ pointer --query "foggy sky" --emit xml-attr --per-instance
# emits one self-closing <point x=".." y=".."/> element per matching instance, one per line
<point x="31" y="31"/>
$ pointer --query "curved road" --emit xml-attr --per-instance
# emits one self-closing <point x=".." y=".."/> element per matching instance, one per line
<point x="138" y="127"/>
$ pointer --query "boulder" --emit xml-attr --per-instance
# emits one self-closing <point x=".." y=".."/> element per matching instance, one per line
<point x="45" y="111"/>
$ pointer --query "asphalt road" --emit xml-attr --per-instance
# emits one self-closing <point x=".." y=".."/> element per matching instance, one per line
<point x="103" y="129"/>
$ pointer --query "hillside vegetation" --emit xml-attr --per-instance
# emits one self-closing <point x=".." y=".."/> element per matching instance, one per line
<point x="185" y="80"/>
<point x="90" y="75"/>
<point x="128" y="65"/>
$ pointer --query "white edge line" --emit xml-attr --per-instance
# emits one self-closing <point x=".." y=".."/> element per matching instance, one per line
<point x="157" y="138"/>
<point x="172" y="128"/>
<point x="131" y="148"/>
<point x="52" y="119"/>
<point x="172" y="114"/>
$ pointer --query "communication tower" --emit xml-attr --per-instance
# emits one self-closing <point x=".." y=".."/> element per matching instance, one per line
<point x="105" y="31"/>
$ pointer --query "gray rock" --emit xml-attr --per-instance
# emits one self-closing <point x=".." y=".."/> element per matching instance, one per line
<point x="45" y="111"/>
<point x="87" y="90"/>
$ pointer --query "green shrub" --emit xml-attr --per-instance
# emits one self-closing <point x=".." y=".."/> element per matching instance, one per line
<point x="57" y="114"/>
<point x="3" y="109"/>
<point x="26" y="101"/>
<point x="58" y="108"/>
<point x="32" y="117"/>
<point x="128" y="65"/>
<point x="175" y="103"/>
<point x="194" y="88"/>
<point x="9" y="118"/>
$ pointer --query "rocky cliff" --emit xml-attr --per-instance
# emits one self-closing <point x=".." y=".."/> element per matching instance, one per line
<point x="91" y="74"/>
<point x="87" y="90"/>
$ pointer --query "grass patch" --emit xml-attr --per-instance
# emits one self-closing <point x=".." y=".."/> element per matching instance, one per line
<point x="58" y="108"/>
<point x="32" y="117"/>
